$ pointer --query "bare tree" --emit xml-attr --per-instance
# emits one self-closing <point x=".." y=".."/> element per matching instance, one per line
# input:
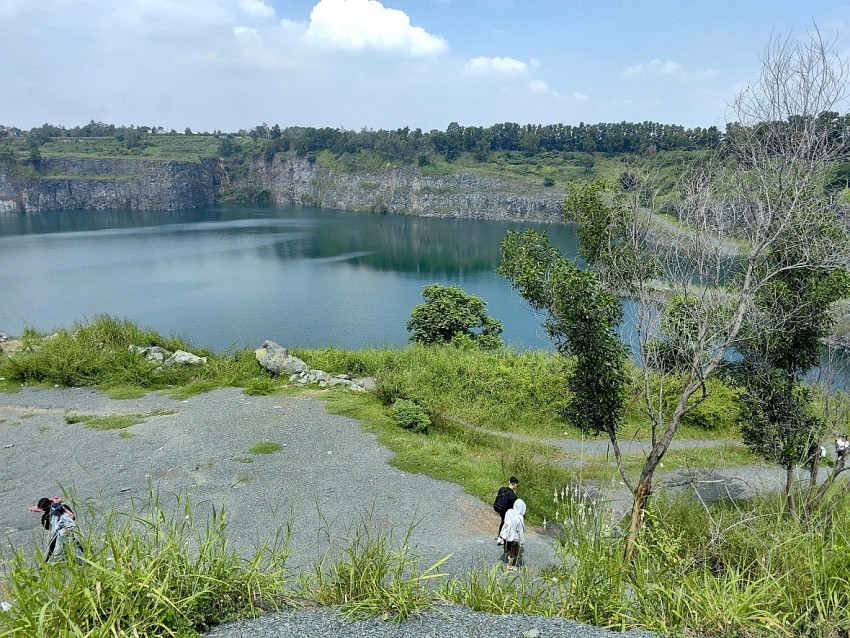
<point x="748" y="214"/>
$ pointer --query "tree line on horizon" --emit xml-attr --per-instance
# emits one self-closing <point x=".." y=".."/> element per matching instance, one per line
<point x="609" y="138"/>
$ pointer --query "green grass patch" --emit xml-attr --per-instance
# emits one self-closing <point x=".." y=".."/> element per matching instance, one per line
<point x="124" y="392"/>
<point x="265" y="447"/>
<point x="261" y="386"/>
<point x="109" y="422"/>
<point x="114" y="421"/>
<point x="244" y="459"/>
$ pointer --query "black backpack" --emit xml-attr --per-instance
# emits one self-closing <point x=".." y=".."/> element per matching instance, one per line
<point x="501" y="502"/>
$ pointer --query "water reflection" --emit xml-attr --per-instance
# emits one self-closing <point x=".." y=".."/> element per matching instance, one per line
<point x="228" y="275"/>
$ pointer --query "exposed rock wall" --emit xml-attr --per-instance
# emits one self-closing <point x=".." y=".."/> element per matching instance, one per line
<point x="65" y="183"/>
<point x="404" y="191"/>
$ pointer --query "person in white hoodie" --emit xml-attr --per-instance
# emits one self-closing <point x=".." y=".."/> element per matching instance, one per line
<point x="513" y="532"/>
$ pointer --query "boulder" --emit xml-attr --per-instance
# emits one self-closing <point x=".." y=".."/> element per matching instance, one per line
<point x="275" y="358"/>
<point x="184" y="358"/>
<point x="151" y="353"/>
<point x="12" y="346"/>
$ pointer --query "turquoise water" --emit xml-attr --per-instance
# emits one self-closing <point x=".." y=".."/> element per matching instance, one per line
<point x="234" y="276"/>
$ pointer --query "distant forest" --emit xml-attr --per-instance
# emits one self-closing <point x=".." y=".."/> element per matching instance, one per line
<point x="623" y="137"/>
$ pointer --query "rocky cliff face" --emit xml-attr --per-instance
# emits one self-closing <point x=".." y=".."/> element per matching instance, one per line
<point x="404" y="191"/>
<point x="65" y="183"/>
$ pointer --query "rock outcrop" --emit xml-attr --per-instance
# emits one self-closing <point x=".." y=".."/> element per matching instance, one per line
<point x="404" y="191"/>
<point x="277" y="360"/>
<point x="166" y="357"/>
<point x="66" y="183"/>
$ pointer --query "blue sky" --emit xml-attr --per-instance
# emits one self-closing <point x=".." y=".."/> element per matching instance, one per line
<point x="231" y="64"/>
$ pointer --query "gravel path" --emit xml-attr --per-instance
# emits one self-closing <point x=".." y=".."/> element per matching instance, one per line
<point x="328" y="474"/>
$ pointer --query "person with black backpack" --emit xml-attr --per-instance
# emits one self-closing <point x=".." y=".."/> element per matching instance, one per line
<point x="59" y="519"/>
<point x="505" y="499"/>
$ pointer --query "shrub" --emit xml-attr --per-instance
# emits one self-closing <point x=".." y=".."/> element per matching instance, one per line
<point x="449" y="311"/>
<point x="260" y="386"/>
<point x="411" y="416"/>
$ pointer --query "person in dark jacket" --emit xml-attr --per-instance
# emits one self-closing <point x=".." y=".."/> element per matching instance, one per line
<point x="505" y="499"/>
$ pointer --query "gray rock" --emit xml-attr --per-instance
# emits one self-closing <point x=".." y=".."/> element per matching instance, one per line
<point x="275" y="358"/>
<point x="151" y="353"/>
<point x="185" y="358"/>
<point x="319" y="376"/>
<point x="4" y="336"/>
<point x="367" y="383"/>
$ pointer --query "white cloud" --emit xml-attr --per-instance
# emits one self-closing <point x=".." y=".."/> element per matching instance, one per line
<point x="367" y="24"/>
<point x="256" y="8"/>
<point x="580" y="97"/>
<point x="212" y="64"/>
<point x="653" y="67"/>
<point x="667" y="68"/>
<point x="496" y="65"/>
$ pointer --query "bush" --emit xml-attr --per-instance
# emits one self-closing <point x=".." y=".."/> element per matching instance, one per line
<point x="411" y="416"/>
<point x="261" y="386"/>
<point x="447" y="312"/>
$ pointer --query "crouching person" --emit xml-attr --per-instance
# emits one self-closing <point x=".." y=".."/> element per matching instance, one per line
<point x="513" y="533"/>
<point x="59" y="519"/>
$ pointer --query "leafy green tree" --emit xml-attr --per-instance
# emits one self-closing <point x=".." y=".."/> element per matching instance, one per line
<point x="35" y="155"/>
<point x="227" y="147"/>
<point x="581" y="319"/>
<point x="778" y="422"/>
<point x="451" y="314"/>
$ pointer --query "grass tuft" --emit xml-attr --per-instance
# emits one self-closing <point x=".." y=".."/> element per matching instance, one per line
<point x="265" y="447"/>
<point x="371" y="575"/>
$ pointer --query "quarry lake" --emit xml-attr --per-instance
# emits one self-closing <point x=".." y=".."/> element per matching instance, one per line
<point x="236" y="275"/>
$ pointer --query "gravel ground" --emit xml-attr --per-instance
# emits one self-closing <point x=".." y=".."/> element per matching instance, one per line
<point x="328" y="474"/>
<point x="452" y="622"/>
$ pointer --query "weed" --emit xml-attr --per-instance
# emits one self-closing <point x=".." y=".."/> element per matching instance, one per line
<point x="371" y="574"/>
<point x="241" y="480"/>
<point x="261" y="386"/>
<point x="244" y="459"/>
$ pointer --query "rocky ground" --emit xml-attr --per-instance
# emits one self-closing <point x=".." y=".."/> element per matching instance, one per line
<point x="328" y="474"/>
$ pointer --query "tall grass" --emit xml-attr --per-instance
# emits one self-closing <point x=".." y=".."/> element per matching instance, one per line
<point x="147" y="572"/>
<point x="95" y="353"/>
<point x="721" y="571"/>
<point x="371" y="574"/>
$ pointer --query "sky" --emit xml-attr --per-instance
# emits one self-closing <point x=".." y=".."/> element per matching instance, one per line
<point x="233" y="64"/>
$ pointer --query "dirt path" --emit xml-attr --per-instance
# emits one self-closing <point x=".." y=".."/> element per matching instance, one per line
<point x="327" y="474"/>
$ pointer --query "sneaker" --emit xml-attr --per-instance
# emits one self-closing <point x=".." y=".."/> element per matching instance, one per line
<point x="512" y="568"/>
<point x="499" y="541"/>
